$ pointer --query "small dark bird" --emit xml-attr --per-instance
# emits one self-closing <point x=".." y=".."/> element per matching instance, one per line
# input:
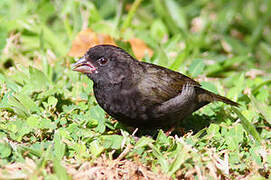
<point x="141" y="94"/>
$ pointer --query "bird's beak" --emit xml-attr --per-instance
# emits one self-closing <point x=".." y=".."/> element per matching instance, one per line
<point x="83" y="66"/>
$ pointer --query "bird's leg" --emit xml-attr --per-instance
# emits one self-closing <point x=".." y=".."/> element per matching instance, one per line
<point x="181" y="103"/>
<point x="178" y="129"/>
<point x="168" y="132"/>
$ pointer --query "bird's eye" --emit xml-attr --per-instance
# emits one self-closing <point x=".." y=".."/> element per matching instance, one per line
<point x="102" y="61"/>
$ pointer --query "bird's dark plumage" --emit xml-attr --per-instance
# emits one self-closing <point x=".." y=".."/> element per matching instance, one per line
<point x="140" y="94"/>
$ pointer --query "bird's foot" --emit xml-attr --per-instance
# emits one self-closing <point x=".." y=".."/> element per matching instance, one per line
<point x="168" y="132"/>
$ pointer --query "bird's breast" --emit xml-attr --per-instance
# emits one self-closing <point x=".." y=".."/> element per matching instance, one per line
<point x="122" y="104"/>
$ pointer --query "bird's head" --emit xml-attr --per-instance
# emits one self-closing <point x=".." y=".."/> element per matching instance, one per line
<point x="104" y="64"/>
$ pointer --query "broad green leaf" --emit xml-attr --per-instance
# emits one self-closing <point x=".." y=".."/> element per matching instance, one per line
<point x="59" y="146"/>
<point x="264" y="109"/>
<point x="35" y="151"/>
<point x="196" y="67"/>
<point x="162" y="138"/>
<point x="213" y="130"/>
<point x="96" y="148"/>
<point x="60" y="171"/>
<point x="18" y="108"/>
<point x="248" y="126"/>
<point x="38" y="79"/>
<point x="209" y="86"/>
<point x="112" y="141"/>
<point x="180" y="158"/>
<point x="27" y="102"/>
<point x="10" y="84"/>
<point x="144" y="141"/>
<point x="22" y="104"/>
<point x="98" y="114"/>
<point x="161" y="159"/>
<point x="239" y="85"/>
<point x="234" y="137"/>
<point x="33" y="121"/>
<point x="81" y="149"/>
<point x="52" y="101"/>
<point x="5" y="150"/>
<point x="47" y="124"/>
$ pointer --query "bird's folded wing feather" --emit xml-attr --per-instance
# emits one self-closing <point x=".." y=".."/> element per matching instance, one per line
<point x="159" y="84"/>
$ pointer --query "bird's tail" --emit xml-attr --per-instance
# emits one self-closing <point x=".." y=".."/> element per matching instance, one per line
<point x="207" y="96"/>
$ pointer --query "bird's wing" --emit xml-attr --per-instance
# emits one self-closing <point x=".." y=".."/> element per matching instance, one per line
<point x="159" y="84"/>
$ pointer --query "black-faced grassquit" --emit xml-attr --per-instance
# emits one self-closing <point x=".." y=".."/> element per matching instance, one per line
<point x="141" y="94"/>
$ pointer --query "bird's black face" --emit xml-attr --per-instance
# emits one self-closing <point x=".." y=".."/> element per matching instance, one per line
<point x="103" y="64"/>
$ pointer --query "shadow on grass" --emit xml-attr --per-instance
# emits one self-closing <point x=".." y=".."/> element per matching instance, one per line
<point x="196" y="122"/>
<point x="193" y="123"/>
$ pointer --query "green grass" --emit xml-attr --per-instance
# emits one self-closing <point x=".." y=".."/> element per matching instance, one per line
<point x="50" y="119"/>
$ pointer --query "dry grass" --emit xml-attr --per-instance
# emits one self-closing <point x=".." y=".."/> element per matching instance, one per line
<point x="102" y="168"/>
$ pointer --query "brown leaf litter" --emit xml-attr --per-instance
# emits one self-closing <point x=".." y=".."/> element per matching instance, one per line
<point x="88" y="38"/>
<point x="101" y="169"/>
